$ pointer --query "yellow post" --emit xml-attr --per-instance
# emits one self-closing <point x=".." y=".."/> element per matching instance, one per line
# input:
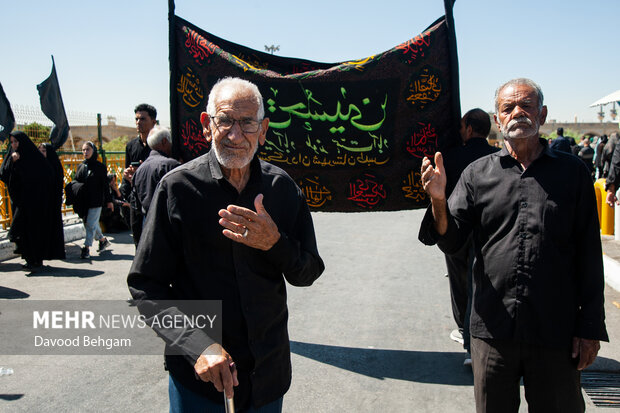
<point x="605" y="212"/>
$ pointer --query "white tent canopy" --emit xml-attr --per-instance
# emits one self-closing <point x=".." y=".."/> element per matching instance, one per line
<point x="614" y="97"/>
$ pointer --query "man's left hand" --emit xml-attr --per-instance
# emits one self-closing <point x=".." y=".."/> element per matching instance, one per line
<point x="585" y="351"/>
<point x="254" y="229"/>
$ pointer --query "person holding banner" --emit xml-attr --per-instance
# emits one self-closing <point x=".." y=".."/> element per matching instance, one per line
<point x="228" y="226"/>
<point x="475" y="127"/>
<point x="537" y="310"/>
<point x="57" y="237"/>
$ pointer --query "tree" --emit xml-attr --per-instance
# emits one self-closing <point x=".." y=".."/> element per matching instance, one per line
<point x="38" y="133"/>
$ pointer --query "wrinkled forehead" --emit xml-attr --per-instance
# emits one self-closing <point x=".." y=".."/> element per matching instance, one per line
<point x="236" y="101"/>
<point x="521" y="93"/>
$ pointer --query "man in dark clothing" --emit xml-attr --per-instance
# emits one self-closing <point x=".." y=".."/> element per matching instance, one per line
<point x="538" y="282"/>
<point x="157" y="165"/>
<point x="561" y="143"/>
<point x="228" y="226"/>
<point x="136" y="152"/>
<point x="586" y="154"/>
<point x="599" y="163"/>
<point x="612" y="182"/>
<point x="475" y="127"/>
<point x="608" y="152"/>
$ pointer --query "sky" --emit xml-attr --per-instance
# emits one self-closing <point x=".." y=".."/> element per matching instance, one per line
<point x="113" y="55"/>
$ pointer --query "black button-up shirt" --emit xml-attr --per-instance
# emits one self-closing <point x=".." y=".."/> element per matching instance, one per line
<point x="538" y="271"/>
<point x="135" y="151"/>
<point x="148" y="175"/>
<point x="184" y="255"/>
<point x="458" y="157"/>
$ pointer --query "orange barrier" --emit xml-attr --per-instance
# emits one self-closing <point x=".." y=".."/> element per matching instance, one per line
<point x="70" y="162"/>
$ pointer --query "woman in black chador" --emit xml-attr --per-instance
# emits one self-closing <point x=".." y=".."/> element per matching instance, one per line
<point x="94" y="176"/>
<point x="57" y="237"/>
<point x="29" y="180"/>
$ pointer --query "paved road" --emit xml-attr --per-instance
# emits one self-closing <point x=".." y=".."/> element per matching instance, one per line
<point x="370" y="335"/>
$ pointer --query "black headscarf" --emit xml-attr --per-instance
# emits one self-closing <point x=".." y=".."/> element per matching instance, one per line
<point x="29" y="180"/>
<point x="56" y="165"/>
<point x="56" y="239"/>
<point x="95" y="153"/>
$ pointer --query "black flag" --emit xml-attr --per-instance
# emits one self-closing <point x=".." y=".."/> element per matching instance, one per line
<point x="7" y="120"/>
<point x="52" y="106"/>
<point x="351" y="134"/>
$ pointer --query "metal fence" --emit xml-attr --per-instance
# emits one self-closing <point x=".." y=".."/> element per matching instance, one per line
<point x="85" y="126"/>
<point x="70" y="160"/>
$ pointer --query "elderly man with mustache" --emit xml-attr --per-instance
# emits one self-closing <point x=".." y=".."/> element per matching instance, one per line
<point x="538" y="273"/>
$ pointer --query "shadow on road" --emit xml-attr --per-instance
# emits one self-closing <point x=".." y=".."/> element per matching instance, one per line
<point x="11" y="396"/>
<point x="605" y="364"/>
<point x="11" y="293"/>
<point x="11" y="266"/>
<point x="416" y="366"/>
<point x="49" y="271"/>
<point x="110" y="256"/>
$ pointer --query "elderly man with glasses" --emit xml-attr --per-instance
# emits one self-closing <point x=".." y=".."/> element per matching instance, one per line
<point x="228" y="226"/>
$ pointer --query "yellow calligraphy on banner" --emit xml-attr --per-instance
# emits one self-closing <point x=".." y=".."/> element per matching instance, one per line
<point x="190" y="88"/>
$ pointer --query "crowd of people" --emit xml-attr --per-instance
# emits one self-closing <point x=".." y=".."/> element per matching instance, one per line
<point x="229" y="226"/>
<point x="595" y="151"/>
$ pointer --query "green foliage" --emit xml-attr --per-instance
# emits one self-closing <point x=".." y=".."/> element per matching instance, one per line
<point x="568" y="133"/>
<point x="37" y="132"/>
<point x="117" y="145"/>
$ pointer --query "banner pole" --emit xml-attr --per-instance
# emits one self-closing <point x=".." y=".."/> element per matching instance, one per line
<point x="454" y="63"/>
<point x="172" y="57"/>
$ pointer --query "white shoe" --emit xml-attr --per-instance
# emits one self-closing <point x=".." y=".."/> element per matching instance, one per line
<point x="467" y="362"/>
<point x="457" y="336"/>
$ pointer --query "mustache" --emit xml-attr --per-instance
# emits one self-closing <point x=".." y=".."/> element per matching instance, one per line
<point x="516" y="121"/>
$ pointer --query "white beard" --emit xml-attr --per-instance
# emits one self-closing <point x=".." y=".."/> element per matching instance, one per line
<point x="230" y="160"/>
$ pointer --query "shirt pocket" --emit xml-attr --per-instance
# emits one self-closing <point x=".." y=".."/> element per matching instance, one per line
<point x="558" y="220"/>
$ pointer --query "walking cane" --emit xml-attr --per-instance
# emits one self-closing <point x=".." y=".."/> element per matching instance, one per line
<point x="229" y="404"/>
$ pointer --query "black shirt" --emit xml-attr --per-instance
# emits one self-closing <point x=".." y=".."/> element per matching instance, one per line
<point x="586" y="154"/>
<point x="148" y="175"/>
<point x="184" y="255"/>
<point x="458" y="157"/>
<point x="613" y="176"/>
<point x="561" y="144"/>
<point x="538" y="271"/>
<point x="135" y="151"/>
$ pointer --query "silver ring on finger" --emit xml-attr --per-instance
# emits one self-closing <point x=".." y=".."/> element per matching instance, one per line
<point x="245" y="233"/>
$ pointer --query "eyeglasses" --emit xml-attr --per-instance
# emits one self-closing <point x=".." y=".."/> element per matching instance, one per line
<point x="246" y="125"/>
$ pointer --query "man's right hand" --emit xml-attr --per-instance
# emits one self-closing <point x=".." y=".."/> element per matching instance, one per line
<point x="612" y="200"/>
<point x="434" y="183"/>
<point x="434" y="178"/>
<point x="128" y="173"/>
<point x="214" y="366"/>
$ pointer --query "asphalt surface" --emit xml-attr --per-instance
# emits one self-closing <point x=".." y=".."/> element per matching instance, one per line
<point x="372" y="334"/>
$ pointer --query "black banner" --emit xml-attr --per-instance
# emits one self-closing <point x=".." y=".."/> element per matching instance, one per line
<point x="54" y="109"/>
<point x="7" y="119"/>
<point x="351" y="134"/>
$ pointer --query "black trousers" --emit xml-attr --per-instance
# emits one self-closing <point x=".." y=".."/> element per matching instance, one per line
<point x="459" y="267"/>
<point x="136" y="218"/>
<point x="551" y="380"/>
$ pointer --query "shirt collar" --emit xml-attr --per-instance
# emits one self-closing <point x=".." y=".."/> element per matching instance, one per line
<point x="546" y="150"/>
<point x="216" y="169"/>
